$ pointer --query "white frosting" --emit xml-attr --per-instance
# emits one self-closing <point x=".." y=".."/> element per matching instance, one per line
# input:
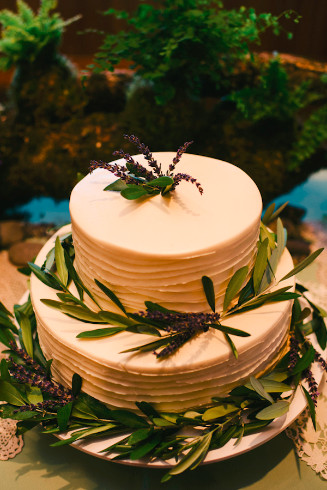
<point x="158" y="249"/>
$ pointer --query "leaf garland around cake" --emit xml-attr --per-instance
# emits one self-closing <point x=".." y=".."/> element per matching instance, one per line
<point x="246" y="290"/>
<point x="184" y="438"/>
<point x="135" y="180"/>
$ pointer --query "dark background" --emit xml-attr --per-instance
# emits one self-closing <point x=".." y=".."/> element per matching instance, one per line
<point x="309" y="40"/>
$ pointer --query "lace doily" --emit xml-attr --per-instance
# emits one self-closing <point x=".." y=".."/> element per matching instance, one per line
<point x="10" y="444"/>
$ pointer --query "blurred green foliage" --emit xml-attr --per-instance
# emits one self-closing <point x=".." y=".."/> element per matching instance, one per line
<point x="273" y="96"/>
<point x="185" y="46"/>
<point x="29" y="37"/>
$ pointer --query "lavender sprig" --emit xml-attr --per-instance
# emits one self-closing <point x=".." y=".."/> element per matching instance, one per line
<point x="184" y="325"/>
<point x="294" y="352"/>
<point x="179" y="177"/>
<point x="182" y="149"/>
<point x="136" y="181"/>
<point x="146" y="152"/>
<point x="313" y="386"/>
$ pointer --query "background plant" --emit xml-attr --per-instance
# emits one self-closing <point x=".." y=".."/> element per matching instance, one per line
<point x="45" y="84"/>
<point x="273" y="96"/>
<point x="188" y="45"/>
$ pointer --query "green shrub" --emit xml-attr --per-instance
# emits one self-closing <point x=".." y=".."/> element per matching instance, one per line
<point x="29" y="38"/>
<point x="45" y="84"/>
<point x="184" y="46"/>
<point x="273" y="97"/>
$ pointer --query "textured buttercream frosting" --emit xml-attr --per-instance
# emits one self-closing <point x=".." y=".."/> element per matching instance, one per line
<point x="201" y="369"/>
<point x="158" y="248"/>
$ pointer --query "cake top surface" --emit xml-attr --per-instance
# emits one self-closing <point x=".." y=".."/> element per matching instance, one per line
<point x="184" y="222"/>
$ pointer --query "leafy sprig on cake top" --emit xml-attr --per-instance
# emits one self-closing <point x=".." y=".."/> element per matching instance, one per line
<point x="183" y="438"/>
<point x="135" y="180"/>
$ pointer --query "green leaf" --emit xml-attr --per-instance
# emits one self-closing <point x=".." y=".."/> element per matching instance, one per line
<point x="209" y="291"/>
<point x="156" y="307"/>
<point x="118" y="185"/>
<point x="305" y="361"/>
<point x="5" y="375"/>
<point x="219" y="411"/>
<point x="195" y="455"/>
<point x="268" y="213"/>
<point x="76" y="384"/>
<point x="260" y="264"/>
<point x="235" y="285"/>
<point x="319" y="328"/>
<point x="147" y="447"/>
<point x="232" y="345"/>
<point x="151" y="346"/>
<point x="82" y="434"/>
<point x="100" y="332"/>
<point x="4" y="310"/>
<point x="229" y="330"/>
<point x="278" y="211"/>
<point x="9" y="394"/>
<point x="45" y="277"/>
<point x="26" y="329"/>
<point x="75" y="311"/>
<point x="147" y="409"/>
<point x="160" y="422"/>
<point x="6" y="322"/>
<point x="271" y="386"/>
<point x="63" y="415"/>
<point x="111" y="295"/>
<point x="311" y="406"/>
<point x="116" y="319"/>
<point x="258" y="387"/>
<point x="274" y="410"/>
<point x="139" y="436"/>
<point x="129" y="419"/>
<point x="147" y="330"/>
<point x="302" y="265"/>
<point x="160" y="182"/>
<point x="34" y="395"/>
<point x="133" y="192"/>
<point x="60" y="262"/>
<point x="74" y="276"/>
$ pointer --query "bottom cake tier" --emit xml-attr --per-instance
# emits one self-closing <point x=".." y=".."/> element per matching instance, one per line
<point x="203" y="368"/>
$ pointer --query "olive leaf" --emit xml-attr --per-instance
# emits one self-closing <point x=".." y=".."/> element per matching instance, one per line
<point x="60" y="262"/>
<point x="26" y="329"/>
<point x="100" y="332"/>
<point x="258" y="387"/>
<point x="63" y="415"/>
<point x="77" y="312"/>
<point x="209" y="291"/>
<point x="302" y="265"/>
<point x="235" y="285"/>
<point x="111" y="295"/>
<point x="219" y="411"/>
<point x="311" y="406"/>
<point x="45" y="277"/>
<point x="274" y="410"/>
<point x="260" y="264"/>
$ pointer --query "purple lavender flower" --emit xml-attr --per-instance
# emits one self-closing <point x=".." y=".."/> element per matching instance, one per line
<point x="321" y="361"/>
<point x="146" y="152"/>
<point x="313" y="386"/>
<point x="135" y="173"/>
<point x="182" y="149"/>
<point x="183" y="325"/>
<point x="294" y="352"/>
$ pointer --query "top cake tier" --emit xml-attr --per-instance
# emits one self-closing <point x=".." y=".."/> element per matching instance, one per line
<point x="158" y="249"/>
